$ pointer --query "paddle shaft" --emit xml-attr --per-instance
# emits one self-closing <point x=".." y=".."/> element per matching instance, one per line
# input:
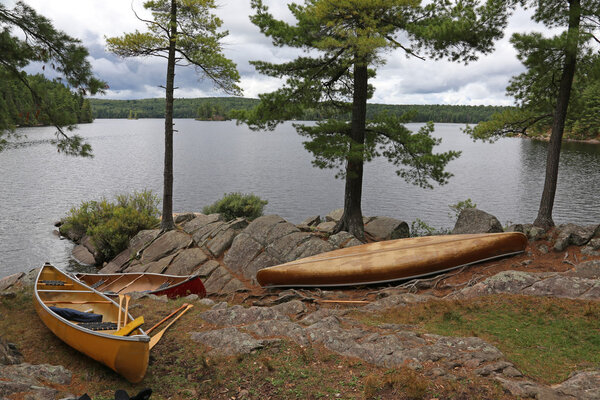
<point x="119" y="317"/>
<point x="166" y="318"/>
<point x="344" y="301"/>
<point x="154" y="339"/>
<point x="129" y="284"/>
<point x="126" y="310"/>
<point x="76" y="302"/>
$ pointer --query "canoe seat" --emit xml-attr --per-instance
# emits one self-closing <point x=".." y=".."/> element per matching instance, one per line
<point x="100" y="282"/>
<point x="165" y="285"/>
<point x="99" y="326"/>
<point x="55" y="283"/>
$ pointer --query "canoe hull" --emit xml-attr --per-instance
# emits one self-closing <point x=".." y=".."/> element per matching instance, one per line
<point x="126" y="355"/>
<point x="391" y="260"/>
<point x="123" y="283"/>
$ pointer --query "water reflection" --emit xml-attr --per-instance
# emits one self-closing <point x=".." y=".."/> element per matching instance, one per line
<point x="39" y="186"/>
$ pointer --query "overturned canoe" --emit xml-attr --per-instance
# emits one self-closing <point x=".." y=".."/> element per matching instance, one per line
<point x="61" y="300"/>
<point x="171" y="285"/>
<point x="392" y="260"/>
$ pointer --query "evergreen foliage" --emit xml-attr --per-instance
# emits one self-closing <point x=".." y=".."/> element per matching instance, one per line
<point x="19" y="107"/>
<point x="343" y="43"/>
<point x="237" y="205"/>
<point x="36" y="40"/>
<point x="110" y="225"/>
<point x="183" y="32"/>
<point x="550" y="93"/>
<point x="228" y="107"/>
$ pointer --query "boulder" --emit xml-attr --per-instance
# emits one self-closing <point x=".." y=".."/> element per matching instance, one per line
<point x="571" y="234"/>
<point x="207" y="268"/>
<point x="200" y="221"/>
<point x="9" y="354"/>
<point x="186" y="261"/>
<point x="228" y="341"/>
<point x="89" y="244"/>
<point x="581" y="385"/>
<point x="32" y="381"/>
<point x="592" y="248"/>
<point x="335" y="215"/>
<point x="385" y="228"/>
<point x="165" y="244"/>
<point x="82" y="255"/>
<point x="9" y="281"/>
<point x="118" y="263"/>
<point x="270" y="240"/>
<point x="143" y="238"/>
<point x="588" y="270"/>
<point x="244" y="249"/>
<point x="326" y="227"/>
<point x="309" y="223"/>
<point x="472" y="220"/>
<point x="343" y="239"/>
<point x="221" y="281"/>
<point x="159" y="266"/>
<point x="182" y="218"/>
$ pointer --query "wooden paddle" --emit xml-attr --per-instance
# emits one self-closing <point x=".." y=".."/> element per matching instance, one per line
<point x="125" y="316"/>
<point x="166" y="318"/>
<point x="344" y="301"/>
<point x="154" y="339"/>
<point x="76" y="302"/>
<point x="130" y="327"/>
<point x="120" y="305"/>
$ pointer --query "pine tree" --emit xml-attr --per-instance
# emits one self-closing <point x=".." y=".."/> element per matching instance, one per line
<point x="345" y="42"/>
<point x="182" y="31"/>
<point x="39" y="41"/>
<point x="544" y="91"/>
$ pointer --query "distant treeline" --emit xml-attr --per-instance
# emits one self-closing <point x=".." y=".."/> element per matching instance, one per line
<point x="220" y="108"/>
<point x="18" y="107"/>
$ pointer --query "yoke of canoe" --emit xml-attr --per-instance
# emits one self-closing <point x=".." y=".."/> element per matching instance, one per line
<point x="62" y="301"/>
<point x="392" y="260"/>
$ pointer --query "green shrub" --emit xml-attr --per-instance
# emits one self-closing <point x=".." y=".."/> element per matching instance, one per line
<point x="235" y="205"/>
<point x="420" y="228"/>
<point x="460" y="206"/>
<point x="111" y="225"/>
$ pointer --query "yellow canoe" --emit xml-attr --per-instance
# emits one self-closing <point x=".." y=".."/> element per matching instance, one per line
<point x="126" y="355"/>
<point x="392" y="260"/>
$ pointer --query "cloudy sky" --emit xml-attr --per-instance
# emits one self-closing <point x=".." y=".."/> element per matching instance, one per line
<point x="400" y="81"/>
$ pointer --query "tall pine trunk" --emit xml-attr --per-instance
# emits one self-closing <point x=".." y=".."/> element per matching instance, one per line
<point x="544" y="217"/>
<point x="167" y="223"/>
<point x="352" y="220"/>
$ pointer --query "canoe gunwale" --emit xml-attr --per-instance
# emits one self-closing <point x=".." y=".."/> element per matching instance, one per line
<point x="395" y="279"/>
<point x="135" y="273"/>
<point x="133" y="338"/>
<point x="175" y="285"/>
<point x="184" y="279"/>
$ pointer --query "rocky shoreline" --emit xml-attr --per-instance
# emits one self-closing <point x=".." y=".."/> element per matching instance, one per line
<point x="242" y="318"/>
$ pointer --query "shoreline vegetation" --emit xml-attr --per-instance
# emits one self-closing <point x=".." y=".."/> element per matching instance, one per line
<point x="225" y="108"/>
<point x="228" y="108"/>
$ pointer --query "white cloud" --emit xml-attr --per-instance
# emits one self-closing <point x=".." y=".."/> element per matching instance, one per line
<point x="400" y="80"/>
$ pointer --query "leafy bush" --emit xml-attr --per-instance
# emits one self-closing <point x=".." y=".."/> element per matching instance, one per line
<point x="460" y="206"/>
<point x="235" y="205"/>
<point x="111" y="225"/>
<point x="420" y="228"/>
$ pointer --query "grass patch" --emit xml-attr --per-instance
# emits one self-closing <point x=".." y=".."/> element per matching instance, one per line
<point x="564" y="333"/>
<point x="181" y="369"/>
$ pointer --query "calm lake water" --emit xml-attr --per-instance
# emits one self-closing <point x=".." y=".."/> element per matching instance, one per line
<point x="38" y="186"/>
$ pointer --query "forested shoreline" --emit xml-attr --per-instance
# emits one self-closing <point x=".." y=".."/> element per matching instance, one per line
<point x="19" y="107"/>
<point x="220" y="108"/>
